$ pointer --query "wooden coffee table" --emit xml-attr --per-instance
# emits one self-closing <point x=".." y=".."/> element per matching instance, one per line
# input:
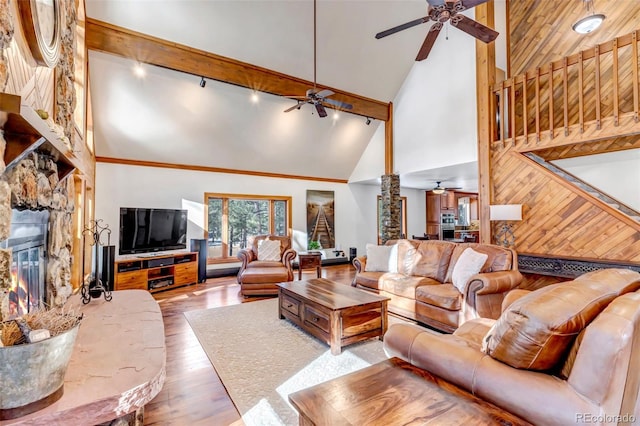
<point x="335" y="313"/>
<point x="394" y="392"/>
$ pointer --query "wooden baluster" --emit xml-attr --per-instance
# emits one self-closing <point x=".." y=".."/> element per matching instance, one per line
<point x="512" y="112"/>
<point x="503" y="101"/>
<point x="598" y="95"/>
<point x="551" y="124"/>
<point x="581" y="91"/>
<point x="634" y="49"/>
<point x="565" y="84"/>
<point x="525" y="106"/>
<point x="616" y="112"/>
<point x="538" y="105"/>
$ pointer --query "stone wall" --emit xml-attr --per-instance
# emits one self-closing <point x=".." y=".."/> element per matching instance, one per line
<point x="391" y="208"/>
<point x="33" y="183"/>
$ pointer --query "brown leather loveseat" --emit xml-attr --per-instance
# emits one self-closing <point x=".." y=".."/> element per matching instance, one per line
<point x="567" y="353"/>
<point x="422" y="287"/>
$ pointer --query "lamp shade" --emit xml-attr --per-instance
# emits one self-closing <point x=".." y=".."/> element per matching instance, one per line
<point x="505" y="212"/>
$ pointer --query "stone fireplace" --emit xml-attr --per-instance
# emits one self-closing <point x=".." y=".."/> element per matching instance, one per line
<point x="27" y="241"/>
<point x="35" y="235"/>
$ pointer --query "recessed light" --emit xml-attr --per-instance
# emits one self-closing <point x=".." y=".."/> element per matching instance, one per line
<point x="139" y="70"/>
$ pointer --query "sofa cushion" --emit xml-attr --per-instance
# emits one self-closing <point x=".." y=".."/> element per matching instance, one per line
<point x="265" y="275"/>
<point x="407" y="256"/>
<point x="381" y="258"/>
<point x="264" y="264"/>
<point x="536" y="330"/>
<point x="499" y="258"/>
<point x="432" y="259"/>
<point x="402" y="285"/>
<point x="469" y="264"/>
<point x="445" y="296"/>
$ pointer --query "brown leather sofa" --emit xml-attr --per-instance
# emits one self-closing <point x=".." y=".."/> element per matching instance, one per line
<point x="565" y="354"/>
<point x="422" y="288"/>
<point x="260" y="277"/>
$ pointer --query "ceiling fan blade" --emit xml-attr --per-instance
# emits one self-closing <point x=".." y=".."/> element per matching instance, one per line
<point x="402" y="27"/>
<point x="324" y="93"/>
<point x="436" y="3"/>
<point x="321" y="111"/>
<point x="429" y="40"/>
<point x="338" y="104"/>
<point x="474" y="28"/>
<point x="296" y="106"/>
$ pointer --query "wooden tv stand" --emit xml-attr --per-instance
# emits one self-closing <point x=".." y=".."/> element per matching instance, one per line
<point x="156" y="273"/>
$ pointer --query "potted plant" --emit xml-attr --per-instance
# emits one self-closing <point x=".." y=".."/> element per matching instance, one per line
<point x="314" y="246"/>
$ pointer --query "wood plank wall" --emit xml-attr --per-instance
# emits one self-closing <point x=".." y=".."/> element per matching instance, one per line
<point x="558" y="219"/>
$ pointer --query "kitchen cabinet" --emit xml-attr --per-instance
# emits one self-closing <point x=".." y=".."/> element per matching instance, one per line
<point x="448" y="201"/>
<point x="433" y="208"/>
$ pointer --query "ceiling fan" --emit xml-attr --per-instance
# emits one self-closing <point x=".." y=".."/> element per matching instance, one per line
<point x="441" y="190"/>
<point x="441" y="11"/>
<point x="312" y="96"/>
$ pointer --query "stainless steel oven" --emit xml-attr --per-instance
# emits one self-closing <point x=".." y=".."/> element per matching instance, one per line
<point x="447" y="226"/>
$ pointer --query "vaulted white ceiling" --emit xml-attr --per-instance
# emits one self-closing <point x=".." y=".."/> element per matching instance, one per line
<point x="167" y="117"/>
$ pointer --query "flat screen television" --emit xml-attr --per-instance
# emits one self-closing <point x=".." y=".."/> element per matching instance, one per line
<point x="150" y="230"/>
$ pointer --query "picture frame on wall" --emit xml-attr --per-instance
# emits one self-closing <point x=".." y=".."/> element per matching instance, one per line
<point x="321" y="219"/>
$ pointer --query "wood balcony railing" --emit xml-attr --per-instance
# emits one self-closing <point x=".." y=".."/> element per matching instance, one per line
<point x="590" y="95"/>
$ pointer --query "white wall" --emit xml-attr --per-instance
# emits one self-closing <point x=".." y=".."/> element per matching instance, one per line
<point x="615" y="173"/>
<point x="136" y="186"/>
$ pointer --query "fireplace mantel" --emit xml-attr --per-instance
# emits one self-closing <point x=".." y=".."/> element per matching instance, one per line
<point x="26" y="132"/>
<point x="117" y="365"/>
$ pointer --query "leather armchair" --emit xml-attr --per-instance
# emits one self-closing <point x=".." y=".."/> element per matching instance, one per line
<point x="260" y="277"/>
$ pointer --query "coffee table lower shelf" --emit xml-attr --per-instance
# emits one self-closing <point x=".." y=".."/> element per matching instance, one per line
<point x="394" y="392"/>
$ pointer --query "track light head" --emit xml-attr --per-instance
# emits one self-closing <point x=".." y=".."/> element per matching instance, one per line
<point x="368" y="121"/>
<point x="203" y="82"/>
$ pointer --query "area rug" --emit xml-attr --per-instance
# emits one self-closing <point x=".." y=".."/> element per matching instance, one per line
<point x="261" y="359"/>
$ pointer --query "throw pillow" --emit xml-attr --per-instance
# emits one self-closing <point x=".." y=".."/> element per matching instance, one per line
<point x="469" y="263"/>
<point x="269" y="250"/>
<point x="378" y="258"/>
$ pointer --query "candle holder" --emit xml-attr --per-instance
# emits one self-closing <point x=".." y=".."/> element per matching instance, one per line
<point x="92" y="285"/>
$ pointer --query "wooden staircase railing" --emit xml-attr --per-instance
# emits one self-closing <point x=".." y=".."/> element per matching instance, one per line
<point x="586" y="96"/>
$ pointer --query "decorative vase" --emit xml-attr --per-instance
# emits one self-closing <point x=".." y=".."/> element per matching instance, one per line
<point x="32" y="374"/>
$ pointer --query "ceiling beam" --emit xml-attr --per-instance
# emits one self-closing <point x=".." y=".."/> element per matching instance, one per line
<point x="104" y="37"/>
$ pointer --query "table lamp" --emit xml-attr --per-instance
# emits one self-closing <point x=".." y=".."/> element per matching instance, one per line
<point x="505" y="213"/>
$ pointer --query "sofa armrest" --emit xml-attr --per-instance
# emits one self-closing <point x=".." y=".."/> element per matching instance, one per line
<point x="494" y="282"/>
<point x="246" y="255"/>
<point x="360" y="263"/>
<point x="288" y="256"/>
<point x="512" y="296"/>
<point x="485" y="292"/>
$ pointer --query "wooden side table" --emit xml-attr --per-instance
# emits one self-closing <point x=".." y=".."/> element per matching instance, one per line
<point x="309" y="260"/>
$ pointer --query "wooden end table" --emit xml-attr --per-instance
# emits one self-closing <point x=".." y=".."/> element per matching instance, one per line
<point x="335" y="313"/>
<point x="309" y="260"/>
<point x="395" y="392"/>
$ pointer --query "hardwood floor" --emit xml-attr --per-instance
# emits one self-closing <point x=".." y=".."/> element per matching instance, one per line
<point x="193" y="393"/>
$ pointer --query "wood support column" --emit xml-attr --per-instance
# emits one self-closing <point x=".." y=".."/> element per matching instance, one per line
<point x="485" y="78"/>
<point x="388" y="142"/>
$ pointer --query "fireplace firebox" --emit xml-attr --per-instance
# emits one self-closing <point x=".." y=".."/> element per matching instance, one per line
<point x="27" y="241"/>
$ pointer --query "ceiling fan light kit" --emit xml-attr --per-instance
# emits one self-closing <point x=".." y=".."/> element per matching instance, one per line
<point x="441" y="190"/>
<point x="313" y="97"/>
<point x="441" y="11"/>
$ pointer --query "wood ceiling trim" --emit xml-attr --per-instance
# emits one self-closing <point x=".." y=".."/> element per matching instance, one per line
<point x="128" y="162"/>
<point x="104" y="37"/>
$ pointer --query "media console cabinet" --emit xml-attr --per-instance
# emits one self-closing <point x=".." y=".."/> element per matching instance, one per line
<point x="155" y="273"/>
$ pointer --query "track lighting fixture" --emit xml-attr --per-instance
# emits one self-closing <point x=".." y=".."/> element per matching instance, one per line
<point x="368" y="121"/>
<point x="203" y="82"/>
